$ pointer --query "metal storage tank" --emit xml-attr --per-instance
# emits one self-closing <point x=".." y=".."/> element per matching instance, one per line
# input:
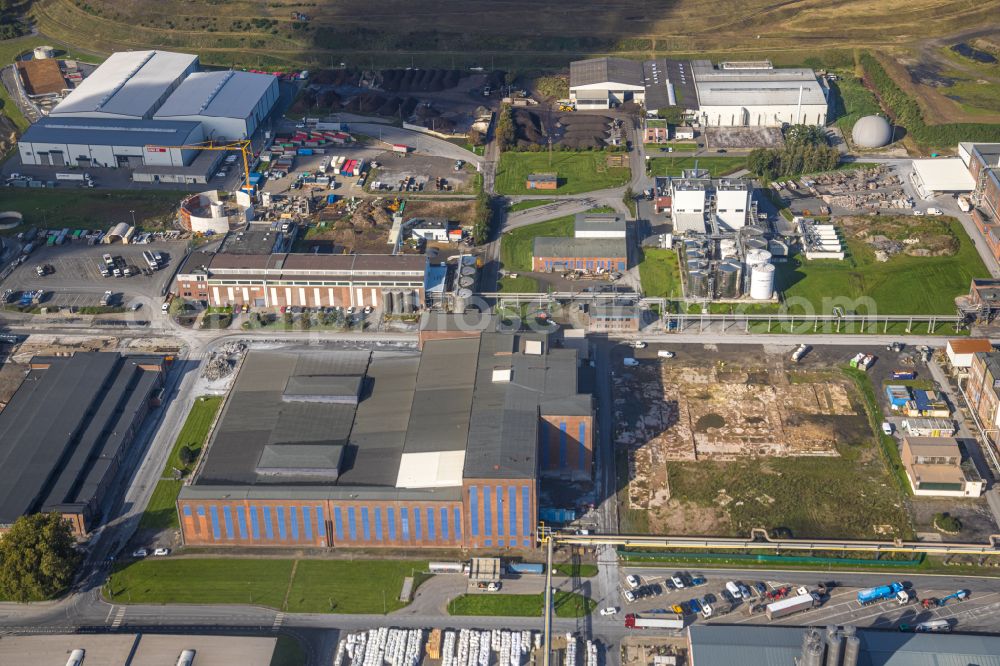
<point x="43" y="52"/>
<point x="852" y="650"/>
<point x="462" y="297"/>
<point x="871" y="132"/>
<point x="777" y="248"/>
<point x="408" y="300"/>
<point x="727" y="248"/>
<point x="397" y="302"/>
<point x="467" y="270"/>
<point x="697" y="284"/>
<point x="756" y="243"/>
<point x="728" y="280"/>
<point x="696" y="265"/>
<point x="757" y="256"/>
<point x="692" y="245"/>
<point x="388" y="301"/>
<point x="834" y="646"/>
<point x="762" y="282"/>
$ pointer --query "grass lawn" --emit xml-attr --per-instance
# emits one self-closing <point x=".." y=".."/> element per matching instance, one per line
<point x="902" y="285"/>
<point x="310" y="586"/>
<point x="717" y="166"/>
<point x="654" y="148"/>
<point x="851" y="101"/>
<point x="517" y="245"/>
<point x="288" y="652"/>
<point x="567" y="604"/>
<point x="527" y="204"/>
<point x="262" y="582"/>
<point x="660" y="273"/>
<point x="576" y="570"/>
<point x="361" y="586"/>
<point x="161" y="512"/>
<point x="522" y="284"/>
<point x="578" y="172"/>
<point x="78" y="208"/>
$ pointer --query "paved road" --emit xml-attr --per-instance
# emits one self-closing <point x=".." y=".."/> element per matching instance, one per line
<point x="420" y="142"/>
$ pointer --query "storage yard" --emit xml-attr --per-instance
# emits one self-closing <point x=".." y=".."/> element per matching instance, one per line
<point x="752" y="440"/>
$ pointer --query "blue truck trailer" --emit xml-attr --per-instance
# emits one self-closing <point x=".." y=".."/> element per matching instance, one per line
<point x="882" y="592"/>
<point x="525" y="568"/>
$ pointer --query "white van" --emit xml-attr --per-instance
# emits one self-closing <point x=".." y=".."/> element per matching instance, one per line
<point x="663" y="353"/>
<point x="734" y="590"/>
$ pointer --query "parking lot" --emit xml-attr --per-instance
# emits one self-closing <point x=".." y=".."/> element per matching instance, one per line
<point x="76" y="280"/>
<point x="838" y="603"/>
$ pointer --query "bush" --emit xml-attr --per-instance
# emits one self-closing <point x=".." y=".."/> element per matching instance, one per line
<point x="946" y="522"/>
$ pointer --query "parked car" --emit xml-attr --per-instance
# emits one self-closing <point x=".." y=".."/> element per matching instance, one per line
<point x="678" y="581"/>
<point x="886" y="427"/>
<point x="761" y="588"/>
<point x="698" y="580"/>
<point x="629" y="595"/>
<point x="706" y="610"/>
<point x="493" y="587"/>
<point x="161" y="552"/>
<point x="734" y="590"/>
<point x="694" y="605"/>
<point x="610" y="610"/>
<point x="637" y="344"/>
<point x="632" y="581"/>
<point x="141" y="552"/>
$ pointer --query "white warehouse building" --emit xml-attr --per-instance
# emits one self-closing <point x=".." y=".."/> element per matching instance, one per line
<point x="104" y="142"/>
<point x="229" y="104"/>
<point x="755" y="94"/>
<point x="129" y="84"/>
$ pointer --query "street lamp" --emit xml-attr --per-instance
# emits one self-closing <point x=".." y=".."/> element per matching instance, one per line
<point x="133" y="217"/>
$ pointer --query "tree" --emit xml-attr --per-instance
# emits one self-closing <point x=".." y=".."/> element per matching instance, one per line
<point x="475" y="137"/>
<point x="187" y="455"/>
<point x="674" y="115"/>
<point x="37" y="558"/>
<point x="505" y="128"/>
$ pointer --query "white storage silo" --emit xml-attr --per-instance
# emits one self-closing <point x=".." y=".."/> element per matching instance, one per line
<point x="757" y="256"/>
<point x="761" y="282"/>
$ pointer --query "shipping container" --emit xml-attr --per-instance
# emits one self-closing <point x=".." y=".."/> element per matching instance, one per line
<point x="304" y="151"/>
<point x="525" y="567"/>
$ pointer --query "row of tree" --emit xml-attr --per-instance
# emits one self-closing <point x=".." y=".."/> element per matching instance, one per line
<point x="906" y="111"/>
<point x="793" y="160"/>
<point x="483" y="218"/>
<point x="505" y="135"/>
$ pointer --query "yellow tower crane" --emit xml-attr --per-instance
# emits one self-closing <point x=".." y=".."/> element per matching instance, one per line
<point x="242" y="145"/>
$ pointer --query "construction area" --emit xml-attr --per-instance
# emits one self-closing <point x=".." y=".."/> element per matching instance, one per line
<point x="719" y="440"/>
<point x="876" y="188"/>
<point x="575" y="131"/>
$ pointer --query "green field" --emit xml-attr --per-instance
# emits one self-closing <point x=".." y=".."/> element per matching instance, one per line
<point x="578" y="172"/>
<point x="902" y="285"/>
<point x="516" y="246"/>
<point x="717" y="166"/>
<point x="850" y="101"/>
<point x="660" y="273"/>
<point x="298" y="586"/>
<point x="656" y="148"/>
<point x="527" y="204"/>
<point x="161" y="512"/>
<point x="79" y="208"/>
<point x="567" y="605"/>
<point x="575" y="570"/>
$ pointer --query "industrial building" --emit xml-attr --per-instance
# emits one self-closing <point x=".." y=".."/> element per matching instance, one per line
<point x="983" y="162"/>
<point x="305" y="280"/>
<point x="137" y="109"/>
<point x="598" y="225"/>
<point x="738" y="645"/>
<point x="144" y="649"/>
<point x="129" y="85"/>
<point x="67" y="429"/>
<point x="613" y="318"/>
<point x="699" y="203"/>
<point x="756" y="94"/>
<point x="941" y="175"/>
<point x="935" y="467"/>
<point x="437" y="449"/>
<point x="599" y="245"/>
<point x="229" y="105"/>
<point x="962" y="351"/>
<point x="982" y="391"/>
<point x="603" y="83"/>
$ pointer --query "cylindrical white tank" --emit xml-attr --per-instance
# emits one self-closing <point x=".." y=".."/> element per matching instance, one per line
<point x="757" y="256"/>
<point x="44" y="52"/>
<point x="727" y="248"/>
<point x="218" y="209"/>
<point x="761" y="282"/>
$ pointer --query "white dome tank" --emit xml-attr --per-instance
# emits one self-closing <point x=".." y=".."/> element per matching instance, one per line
<point x="756" y="256"/>
<point x="762" y="282"/>
<point x="872" y="132"/>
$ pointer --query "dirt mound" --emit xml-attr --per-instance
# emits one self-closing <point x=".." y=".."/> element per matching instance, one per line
<point x="527" y="127"/>
<point x="895" y="234"/>
<point x="418" y="80"/>
<point x="334" y="77"/>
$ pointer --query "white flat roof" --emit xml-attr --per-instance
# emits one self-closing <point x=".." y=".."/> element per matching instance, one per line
<point x="944" y="174"/>
<point x="434" y="469"/>
<point x="218" y="94"/>
<point x="128" y="83"/>
<point x="755" y="87"/>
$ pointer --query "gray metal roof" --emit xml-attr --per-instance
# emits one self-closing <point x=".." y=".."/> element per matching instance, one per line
<point x="111" y="131"/>
<point x="128" y="84"/>
<point x="598" y="222"/>
<point x="550" y="246"/>
<point x="605" y="70"/>
<point x="64" y="429"/>
<point x="229" y="94"/>
<point x="442" y="400"/>
<point x="755" y="87"/>
<point x="727" y="645"/>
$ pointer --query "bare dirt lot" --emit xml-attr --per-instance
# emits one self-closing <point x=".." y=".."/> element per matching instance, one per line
<point x="744" y="137"/>
<point x="719" y="442"/>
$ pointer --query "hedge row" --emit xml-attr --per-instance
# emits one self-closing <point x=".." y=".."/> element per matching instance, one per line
<point x="906" y="112"/>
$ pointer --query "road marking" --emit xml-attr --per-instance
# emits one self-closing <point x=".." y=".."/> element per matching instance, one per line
<point x="119" y="617"/>
<point x="279" y="619"/>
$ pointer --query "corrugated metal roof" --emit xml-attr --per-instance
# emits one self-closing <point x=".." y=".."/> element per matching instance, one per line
<point x="111" y="131"/>
<point x="229" y="94"/>
<point x="128" y="83"/>
<point x="549" y="246"/>
<point x="605" y="70"/>
<point x="755" y="87"/>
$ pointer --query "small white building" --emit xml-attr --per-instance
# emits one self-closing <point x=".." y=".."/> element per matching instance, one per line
<point x="941" y="175"/>
<point x="603" y="225"/>
<point x="431" y="229"/>
<point x="961" y="351"/>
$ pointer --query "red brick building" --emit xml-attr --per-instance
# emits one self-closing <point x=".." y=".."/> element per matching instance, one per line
<point x="308" y="280"/>
<point x="542" y="181"/>
<point x="593" y="255"/>
<point x="442" y="449"/>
